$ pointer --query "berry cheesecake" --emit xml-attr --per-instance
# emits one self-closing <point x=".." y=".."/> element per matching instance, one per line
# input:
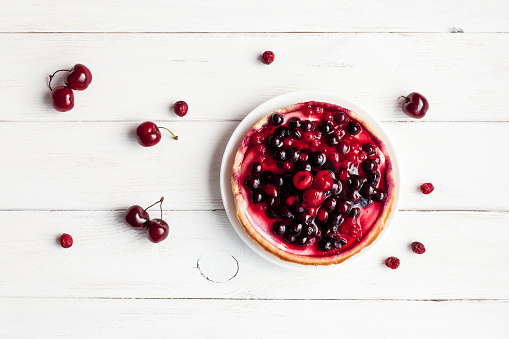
<point x="313" y="183"/>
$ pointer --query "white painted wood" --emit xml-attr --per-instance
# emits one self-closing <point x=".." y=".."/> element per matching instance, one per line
<point x="465" y="258"/>
<point x="85" y="318"/>
<point x="99" y="165"/>
<point x="254" y="16"/>
<point x="140" y="76"/>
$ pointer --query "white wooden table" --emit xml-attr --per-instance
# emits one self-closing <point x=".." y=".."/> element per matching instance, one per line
<point x="76" y="172"/>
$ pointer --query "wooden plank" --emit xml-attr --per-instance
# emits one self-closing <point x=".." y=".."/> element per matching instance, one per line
<point x="255" y="318"/>
<point x="254" y="16"/>
<point x="139" y="76"/>
<point x="100" y="166"/>
<point x="465" y="259"/>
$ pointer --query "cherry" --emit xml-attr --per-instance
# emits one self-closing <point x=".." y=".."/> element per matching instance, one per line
<point x="149" y="134"/>
<point x="180" y="108"/>
<point x="137" y="217"/>
<point x="158" y="229"/>
<point x="62" y="99"/>
<point x="66" y="240"/>
<point x="79" y="78"/>
<point x="323" y="181"/>
<point x="415" y="105"/>
<point x="268" y="57"/>
<point x="313" y="197"/>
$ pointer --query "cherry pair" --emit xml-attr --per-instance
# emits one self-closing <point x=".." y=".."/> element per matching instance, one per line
<point x="137" y="218"/>
<point x="78" y="79"/>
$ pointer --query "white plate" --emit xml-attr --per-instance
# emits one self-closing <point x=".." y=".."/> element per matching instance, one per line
<point x="247" y="124"/>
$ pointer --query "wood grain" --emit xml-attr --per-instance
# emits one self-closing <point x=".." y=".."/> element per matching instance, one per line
<point x="100" y="166"/>
<point x="140" y="76"/>
<point x="464" y="259"/>
<point x="254" y="16"/>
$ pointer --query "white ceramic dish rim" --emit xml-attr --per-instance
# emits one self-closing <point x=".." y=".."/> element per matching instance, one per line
<point x="247" y="124"/>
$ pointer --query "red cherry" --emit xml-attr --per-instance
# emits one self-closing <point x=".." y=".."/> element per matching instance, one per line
<point x="62" y="99"/>
<point x="302" y="180"/>
<point x="157" y="230"/>
<point x="268" y="57"/>
<point x="312" y="197"/>
<point x="79" y="77"/>
<point x="322" y="181"/>
<point x="136" y="217"/>
<point x="415" y="105"/>
<point x="66" y="240"/>
<point x="149" y="134"/>
<point x="180" y="108"/>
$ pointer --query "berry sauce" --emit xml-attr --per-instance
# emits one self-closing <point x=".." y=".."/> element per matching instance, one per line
<point x="331" y="214"/>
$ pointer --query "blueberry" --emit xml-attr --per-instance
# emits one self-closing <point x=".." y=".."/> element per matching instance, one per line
<point x="354" y="182"/>
<point x="295" y="227"/>
<point x="279" y="228"/>
<point x="290" y="238"/>
<point x="336" y="188"/>
<point x="307" y="126"/>
<point x="354" y="212"/>
<point x="279" y="180"/>
<point x="277" y="119"/>
<point x="369" y="149"/>
<point x="373" y="178"/>
<point x="284" y="212"/>
<point x="294" y="133"/>
<point x="353" y="128"/>
<point x="251" y="182"/>
<point x="292" y="154"/>
<point x="267" y="177"/>
<point x="330" y="231"/>
<point x="338" y="243"/>
<point x="336" y="219"/>
<point x="271" y="213"/>
<point x="325" y="127"/>
<point x="309" y="230"/>
<point x="316" y="159"/>
<point x="302" y="240"/>
<point x="325" y="244"/>
<point x="343" y="207"/>
<point x="294" y="122"/>
<point x="256" y="167"/>
<point x="304" y="166"/>
<point x="256" y="196"/>
<point x="279" y="154"/>
<point x="281" y="132"/>
<point x="331" y="140"/>
<point x="380" y="196"/>
<point x="367" y="190"/>
<point x="343" y="147"/>
<point x="272" y="201"/>
<point x="329" y="204"/>
<point x="275" y="142"/>
<point x="369" y="165"/>
<point x="297" y="208"/>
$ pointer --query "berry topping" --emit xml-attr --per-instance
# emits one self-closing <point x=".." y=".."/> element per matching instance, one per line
<point x="279" y="154"/>
<point x="338" y="243"/>
<point x="268" y="57"/>
<point x="379" y="196"/>
<point x="293" y="155"/>
<point x="329" y="204"/>
<point x="392" y="262"/>
<point x="367" y="190"/>
<point x="339" y="118"/>
<point x="316" y="159"/>
<point x="256" y="139"/>
<point x="279" y="228"/>
<point x="275" y="142"/>
<point x="418" y="247"/>
<point x="354" y="182"/>
<point x="290" y="238"/>
<point x="256" y="167"/>
<point x="355" y="212"/>
<point x="267" y="177"/>
<point x="427" y="188"/>
<point x="415" y="105"/>
<point x="373" y="178"/>
<point x="326" y="127"/>
<point x="284" y="212"/>
<point x="302" y="180"/>
<point x="369" y="149"/>
<point x="312" y="197"/>
<point x="278" y="180"/>
<point x="307" y="126"/>
<point x="326" y="244"/>
<point x="271" y="213"/>
<point x="277" y="119"/>
<point x="353" y="128"/>
<point x="331" y="140"/>
<point x="180" y="108"/>
<point x="369" y="165"/>
<point x="251" y="182"/>
<point x="270" y="190"/>
<point x="322" y="181"/>
<point x="256" y="196"/>
<point x="66" y="240"/>
<point x="343" y="207"/>
<point x="294" y="122"/>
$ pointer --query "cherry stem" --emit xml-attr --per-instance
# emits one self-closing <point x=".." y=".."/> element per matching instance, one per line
<point x="174" y="136"/>
<point x="157" y="202"/>
<point x="161" y="207"/>
<point x="51" y="76"/>
<point x="406" y="99"/>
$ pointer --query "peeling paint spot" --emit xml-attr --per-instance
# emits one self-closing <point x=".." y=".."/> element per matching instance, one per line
<point x="218" y="267"/>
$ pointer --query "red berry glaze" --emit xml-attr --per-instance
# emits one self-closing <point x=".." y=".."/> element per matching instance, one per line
<point x="418" y="247"/>
<point x="157" y="230"/>
<point x="415" y="105"/>
<point x="392" y="262"/>
<point x="62" y="98"/>
<point x="268" y="57"/>
<point x="79" y="78"/>
<point x="136" y="217"/>
<point x="427" y="188"/>
<point x="180" y="108"/>
<point x="66" y="240"/>
<point x="302" y="180"/>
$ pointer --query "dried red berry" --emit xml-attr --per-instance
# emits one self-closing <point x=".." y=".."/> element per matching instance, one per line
<point x="268" y="57"/>
<point x="65" y="240"/>
<point x="418" y="247"/>
<point x="392" y="262"/>
<point x="180" y="108"/>
<point x="427" y="188"/>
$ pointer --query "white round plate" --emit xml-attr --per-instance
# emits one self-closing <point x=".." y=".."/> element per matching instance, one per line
<point x="247" y="124"/>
